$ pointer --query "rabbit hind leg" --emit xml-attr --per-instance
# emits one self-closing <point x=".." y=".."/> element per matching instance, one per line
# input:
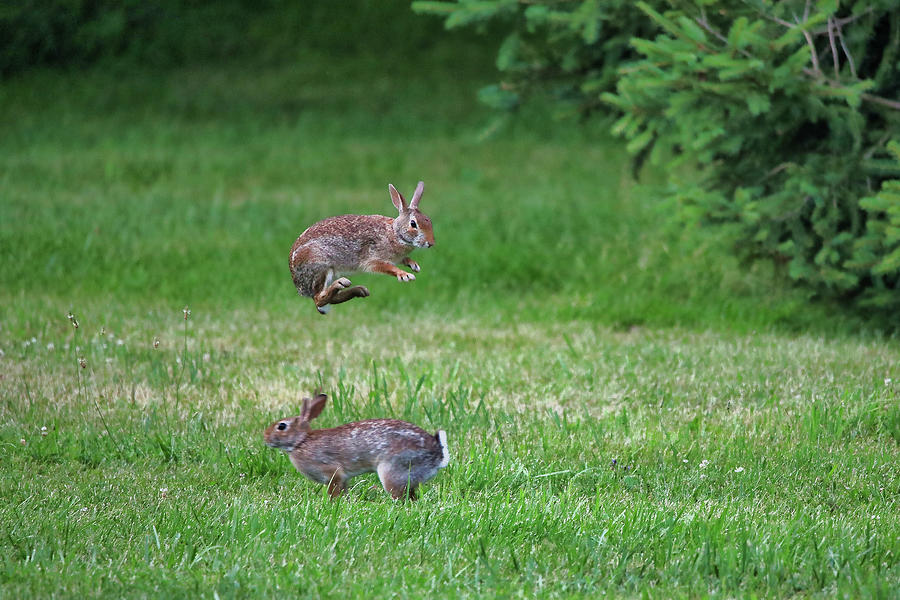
<point x="397" y="481"/>
<point x="312" y="279"/>
<point x="348" y="293"/>
<point x="326" y="288"/>
<point x="323" y="291"/>
<point x="336" y="291"/>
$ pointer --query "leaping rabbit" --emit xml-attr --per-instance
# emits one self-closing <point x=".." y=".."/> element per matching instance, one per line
<point x="402" y="454"/>
<point x="348" y="243"/>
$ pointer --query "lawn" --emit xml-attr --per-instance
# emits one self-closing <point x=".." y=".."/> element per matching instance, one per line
<point x="629" y="412"/>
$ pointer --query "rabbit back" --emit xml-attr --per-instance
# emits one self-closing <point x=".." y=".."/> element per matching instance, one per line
<point x="347" y="242"/>
<point x="364" y="446"/>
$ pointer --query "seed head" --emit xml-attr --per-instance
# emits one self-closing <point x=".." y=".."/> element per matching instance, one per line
<point x="156" y="342"/>
<point x="187" y="312"/>
<point x="72" y="319"/>
<point x="82" y="362"/>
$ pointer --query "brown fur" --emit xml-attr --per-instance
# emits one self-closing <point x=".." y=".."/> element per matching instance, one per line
<point x="402" y="454"/>
<point x="350" y="243"/>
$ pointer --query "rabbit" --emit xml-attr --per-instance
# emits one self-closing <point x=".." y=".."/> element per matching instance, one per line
<point x="402" y="454"/>
<point x="348" y="243"/>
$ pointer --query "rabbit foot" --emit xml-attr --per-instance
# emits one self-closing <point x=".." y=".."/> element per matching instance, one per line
<point x="404" y="276"/>
<point x="336" y="291"/>
<point x="413" y="265"/>
<point x="349" y="293"/>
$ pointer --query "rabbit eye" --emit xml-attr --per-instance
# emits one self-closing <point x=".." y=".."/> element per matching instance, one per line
<point x="282" y="426"/>
<point x="412" y="224"/>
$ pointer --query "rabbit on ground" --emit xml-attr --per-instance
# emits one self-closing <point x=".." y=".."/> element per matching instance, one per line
<point x="348" y="243"/>
<point x="402" y="454"/>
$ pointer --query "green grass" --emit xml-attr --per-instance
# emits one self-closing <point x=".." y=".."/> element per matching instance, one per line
<point x="558" y="326"/>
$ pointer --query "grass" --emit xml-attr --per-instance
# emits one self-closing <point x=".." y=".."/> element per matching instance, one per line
<point x="628" y="413"/>
<point x="799" y="494"/>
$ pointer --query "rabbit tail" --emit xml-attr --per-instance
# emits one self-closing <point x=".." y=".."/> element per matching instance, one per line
<point x="441" y="437"/>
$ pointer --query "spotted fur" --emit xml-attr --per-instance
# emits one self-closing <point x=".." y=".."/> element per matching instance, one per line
<point x="352" y="243"/>
<point x="402" y="454"/>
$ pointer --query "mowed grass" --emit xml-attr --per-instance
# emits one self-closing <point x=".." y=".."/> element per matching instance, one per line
<point x="584" y="460"/>
<point x="627" y="413"/>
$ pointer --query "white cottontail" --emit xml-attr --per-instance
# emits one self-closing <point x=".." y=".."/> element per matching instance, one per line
<point x="349" y="243"/>
<point x="402" y="454"/>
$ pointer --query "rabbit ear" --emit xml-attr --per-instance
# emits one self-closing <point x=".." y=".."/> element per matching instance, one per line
<point x="312" y="408"/>
<point x="417" y="195"/>
<point x="396" y="198"/>
<point x="304" y="409"/>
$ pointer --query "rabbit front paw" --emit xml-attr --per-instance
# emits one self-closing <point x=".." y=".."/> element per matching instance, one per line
<point x="411" y="264"/>
<point x="404" y="276"/>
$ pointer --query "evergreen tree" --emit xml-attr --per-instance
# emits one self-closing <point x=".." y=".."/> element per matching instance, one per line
<point x="782" y="113"/>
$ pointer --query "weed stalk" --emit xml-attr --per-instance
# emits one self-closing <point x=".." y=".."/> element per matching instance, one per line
<point x="81" y="364"/>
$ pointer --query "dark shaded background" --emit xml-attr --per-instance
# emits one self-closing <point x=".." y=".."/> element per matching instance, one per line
<point x="167" y="33"/>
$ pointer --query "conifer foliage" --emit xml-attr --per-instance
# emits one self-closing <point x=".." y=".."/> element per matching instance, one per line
<point x="773" y="120"/>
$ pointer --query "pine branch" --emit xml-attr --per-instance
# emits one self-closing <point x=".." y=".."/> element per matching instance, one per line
<point x="814" y="73"/>
<point x="834" y="53"/>
<point x="846" y="52"/>
<point x="812" y="50"/>
<point x="880" y="100"/>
